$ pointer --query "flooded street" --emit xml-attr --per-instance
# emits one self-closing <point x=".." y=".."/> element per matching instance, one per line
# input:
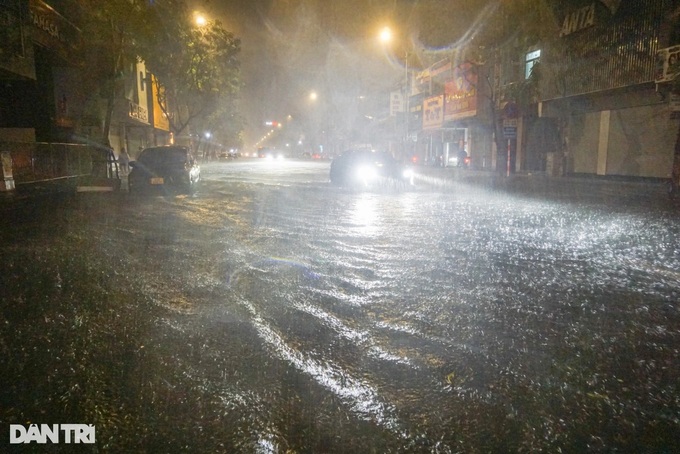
<point x="271" y="312"/>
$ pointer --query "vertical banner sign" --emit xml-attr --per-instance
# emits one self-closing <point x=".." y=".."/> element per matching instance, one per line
<point x="433" y="112"/>
<point x="160" y="121"/>
<point x="461" y="93"/>
<point x="396" y="103"/>
<point x="667" y="64"/>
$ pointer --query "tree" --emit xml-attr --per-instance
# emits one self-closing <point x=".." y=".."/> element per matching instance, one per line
<point x="196" y="67"/>
<point x="500" y="34"/>
<point x="110" y="29"/>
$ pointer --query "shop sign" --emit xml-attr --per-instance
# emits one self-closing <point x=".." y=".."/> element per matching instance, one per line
<point x="461" y="93"/>
<point x="396" y="103"/>
<point x="138" y="112"/>
<point x="667" y="64"/>
<point x="578" y="20"/>
<point x="160" y="120"/>
<point x="433" y="112"/>
<point x="51" y="29"/>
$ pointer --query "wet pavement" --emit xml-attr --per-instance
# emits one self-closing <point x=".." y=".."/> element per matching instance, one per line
<point x="271" y="312"/>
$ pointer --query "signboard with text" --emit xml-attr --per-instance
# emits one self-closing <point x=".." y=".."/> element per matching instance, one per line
<point x="160" y="120"/>
<point x="667" y="64"/>
<point x="510" y="128"/>
<point x="433" y="112"/>
<point x="396" y="103"/>
<point x="52" y="30"/>
<point x="461" y="93"/>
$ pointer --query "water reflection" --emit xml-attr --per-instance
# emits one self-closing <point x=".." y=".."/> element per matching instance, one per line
<point x="364" y="216"/>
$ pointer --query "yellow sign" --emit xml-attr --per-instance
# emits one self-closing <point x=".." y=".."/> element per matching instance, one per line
<point x="160" y="120"/>
<point x="433" y="112"/>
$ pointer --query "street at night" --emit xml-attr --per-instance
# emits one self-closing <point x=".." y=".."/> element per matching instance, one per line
<point x="272" y="312"/>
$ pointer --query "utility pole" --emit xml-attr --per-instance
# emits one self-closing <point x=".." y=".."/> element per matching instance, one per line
<point x="407" y="95"/>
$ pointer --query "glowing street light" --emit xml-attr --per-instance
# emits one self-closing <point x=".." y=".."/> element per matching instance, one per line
<point x="313" y="96"/>
<point x="200" y="19"/>
<point x="385" y="35"/>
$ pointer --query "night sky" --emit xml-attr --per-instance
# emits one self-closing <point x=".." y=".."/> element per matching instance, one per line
<point x="293" y="47"/>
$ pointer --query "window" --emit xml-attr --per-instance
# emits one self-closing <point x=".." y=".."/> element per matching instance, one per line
<point x="530" y="60"/>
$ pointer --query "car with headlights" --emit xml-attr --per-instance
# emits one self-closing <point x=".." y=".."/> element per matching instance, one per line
<point x="165" y="168"/>
<point x="271" y="154"/>
<point x="232" y="153"/>
<point x="367" y="168"/>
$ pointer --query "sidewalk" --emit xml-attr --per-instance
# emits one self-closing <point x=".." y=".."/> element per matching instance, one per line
<point x="39" y="189"/>
<point x="539" y="184"/>
<point x="59" y="188"/>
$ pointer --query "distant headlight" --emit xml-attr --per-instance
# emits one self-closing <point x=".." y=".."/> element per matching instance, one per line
<point x="407" y="173"/>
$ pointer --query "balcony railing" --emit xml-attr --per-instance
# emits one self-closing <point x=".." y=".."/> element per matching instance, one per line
<point x="34" y="162"/>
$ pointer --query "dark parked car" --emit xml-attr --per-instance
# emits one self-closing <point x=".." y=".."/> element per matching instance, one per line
<point x="166" y="168"/>
<point x="365" y="168"/>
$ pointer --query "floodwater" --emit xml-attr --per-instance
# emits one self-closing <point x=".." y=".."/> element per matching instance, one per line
<point x="287" y="315"/>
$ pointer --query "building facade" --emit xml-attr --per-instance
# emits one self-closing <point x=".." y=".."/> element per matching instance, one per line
<point x="600" y="104"/>
<point x="50" y="90"/>
<point x="593" y="98"/>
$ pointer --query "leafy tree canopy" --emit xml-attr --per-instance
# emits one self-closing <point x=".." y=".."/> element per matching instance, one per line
<point x="196" y="66"/>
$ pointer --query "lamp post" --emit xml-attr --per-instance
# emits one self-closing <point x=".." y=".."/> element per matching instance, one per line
<point x="386" y="37"/>
<point x="407" y="95"/>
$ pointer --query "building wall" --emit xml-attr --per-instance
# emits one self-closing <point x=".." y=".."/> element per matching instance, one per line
<point x="634" y="141"/>
<point x="641" y="141"/>
<point x="583" y="139"/>
<point x="599" y="84"/>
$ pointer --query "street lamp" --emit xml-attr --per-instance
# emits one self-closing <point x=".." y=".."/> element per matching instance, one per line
<point x="386" y="37"/>
<point x="200" y="19"/>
